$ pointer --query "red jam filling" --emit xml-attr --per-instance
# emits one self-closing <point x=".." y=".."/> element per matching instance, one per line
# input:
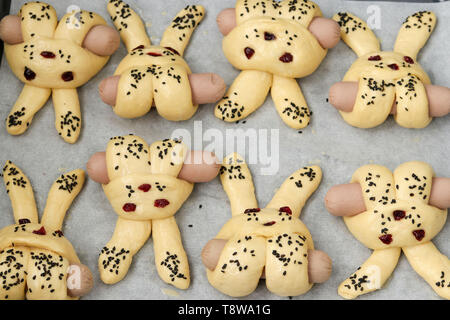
<point x="154" y="54"/>
<point x="269" y="36"/>
<point x="399" y="214"/>
<point x="48" y="54"/>
<point x="249" y="52"/>
<point x="252" y="210"/>
<point x="386" y="238"/>
<point x="29" y="74"/>
<point x="419" y="234"/>
<point x="393" y="66"/>
<point x="67" y="76"/>
<point x="40" y="232"/>
<point x="173" y="50"/>
<point x="374" y="58"/>
<point x="24" y="221"/>
<point x="286" y="58"/>
<point x="161" y="203"/>
<point x="408" y="59"/>
<point x="129" y="207"/>
<point x="139" y="47"/>
<point x="268" y="224"/>
<point x="286" y="210"/>
<point x="145" y="187"/>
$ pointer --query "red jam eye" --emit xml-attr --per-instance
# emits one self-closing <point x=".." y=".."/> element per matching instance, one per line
<point x="252" y="210"/>
<point x="145" y="187"/>
<point x="67" y="76"/>
<point x="393" y="66"/>
<point x="161" y="203"/>
<point x="269" y="36"/>
<point x="129" y="207"/>
<point x="286" y="210"/>
<point x="29" y="74"/>
<point x="268" y="224"/>
<point x="386" y="238"/>
<point x="138" y="47"/>
<point x="173" y="50"/>
<point x="48" y="54"/>
<point x="399" y="214"/>
<point x="249" y="52"/>
<point x="154" y="54"/>
<point x="24" y="221"/>
<point x="286" y="58"/>
<point x="40" y="232"/>
<point x="408" y="59"/>
<point x="374" y="58"/>
<point x="419" y="234"/>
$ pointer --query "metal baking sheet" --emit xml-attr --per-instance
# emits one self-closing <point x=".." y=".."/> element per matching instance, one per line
<point x="328" y="141"/>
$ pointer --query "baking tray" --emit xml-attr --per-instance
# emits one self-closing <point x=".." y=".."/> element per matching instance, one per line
<point x="328" y="141"/>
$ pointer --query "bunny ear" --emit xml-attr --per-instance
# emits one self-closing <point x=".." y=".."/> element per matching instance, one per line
<point x="177" y="35"/>
<point x="21" y="194"/>
<point x="62" y="193"/>
<point x="127" y="155"/>
<point x="238" y="184"/>
<point x="294" y="192"/>
<point x="129" y="24"/>
<point x="414" y="33"/>
<point x="37" y="19"/>
<point x="167" y="157"/>
<point x="356" y="34"/>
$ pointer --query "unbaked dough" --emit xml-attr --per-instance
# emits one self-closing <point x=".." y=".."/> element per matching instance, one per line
<point x="154" y="74"/>
<point x="387" y="77"/>
<point x="398" y="217"/>
<point x="272" y="46"/>
<point x="52" y="61"/>
<point x="272" y="238"/>
<point x="35" y="257"/>
<point x="145" y="192"/>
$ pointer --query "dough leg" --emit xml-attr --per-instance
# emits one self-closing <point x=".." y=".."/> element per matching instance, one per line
<point x="13" y="267"/>
<point x="173" y="96"/>
<point x="240" y="266"/>
<point x="287" y="265"/>
<point x="67" y="114"/>
<point x="432" y="266"/>
<point x="115" y="258"/>
<point x="371" y="275"/>
<point x="47" y="275"/>
<point x="290" y="102"/>
<point x="170" y="258"/>
<point x="30" y="101"/>
<point x="245" y="95"/>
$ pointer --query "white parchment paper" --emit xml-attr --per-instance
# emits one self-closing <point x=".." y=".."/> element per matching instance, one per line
<point x="328" y="141"/>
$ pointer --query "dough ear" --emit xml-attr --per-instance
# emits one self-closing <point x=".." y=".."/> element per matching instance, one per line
<point x="296" y="189"/>
<point x="129" y="24"/>
<point x="178" y="34"/>
<point x="356" y="34"/>
<point x="238" y="184"/>
<point x="20" y="192"/>
<point x="167" y="157"/>
<point x="38" y="19"/>
<point x="414" y="33"/>
<point x="62" y="193"/>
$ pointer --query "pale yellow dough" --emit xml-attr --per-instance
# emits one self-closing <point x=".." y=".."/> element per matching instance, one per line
<point x="272" y="46"/>
<point x="387" y="77"/>
<point x="272" y="238"/>
<point x="152" y="74"/>
<point x="145" y="192"/>
<point x="398" y="217"/>
<point x="43" y="76"/>
<point x="27" y="248"/>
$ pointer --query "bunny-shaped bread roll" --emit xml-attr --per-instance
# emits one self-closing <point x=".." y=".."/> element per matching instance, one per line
<point x="388" y="82"/>
<point x="272" y="45"/>
<point x="158" y="75"/>
<point x="271" y="239"/>
<point x="145" y="192"/>
<point x="397" y="217"/>
<point x="35" y="258"/>
<point x="51" y="58"/>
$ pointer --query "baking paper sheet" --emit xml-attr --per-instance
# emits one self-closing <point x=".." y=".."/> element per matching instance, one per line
<point x="328" y="141"/>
